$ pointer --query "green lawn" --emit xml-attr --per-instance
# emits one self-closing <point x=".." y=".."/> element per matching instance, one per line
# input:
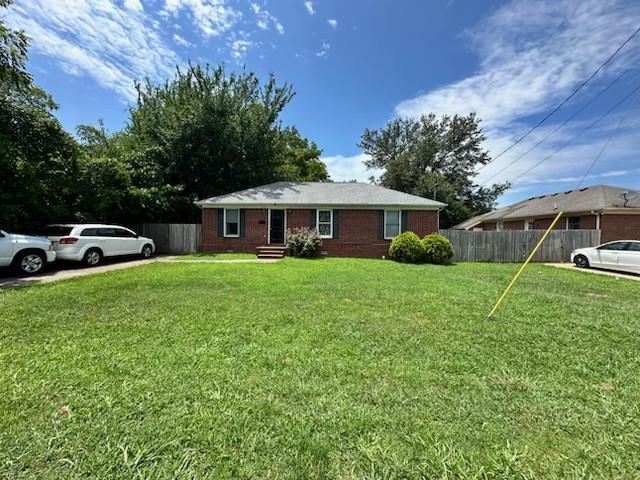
<point x="321" y="369"/>
<point x="217" y="256"/>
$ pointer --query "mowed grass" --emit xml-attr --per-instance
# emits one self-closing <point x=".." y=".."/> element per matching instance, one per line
<point x="332" y="368"/>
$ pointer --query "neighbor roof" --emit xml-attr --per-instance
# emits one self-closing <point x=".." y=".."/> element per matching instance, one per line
<point x="334" y="194"/>
<point x="597" y="199"/>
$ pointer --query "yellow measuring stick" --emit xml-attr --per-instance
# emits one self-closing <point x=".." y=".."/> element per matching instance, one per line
<point x="524" y="265"/>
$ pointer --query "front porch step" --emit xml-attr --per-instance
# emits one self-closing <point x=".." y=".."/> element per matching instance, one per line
<point x="271" y="251"/>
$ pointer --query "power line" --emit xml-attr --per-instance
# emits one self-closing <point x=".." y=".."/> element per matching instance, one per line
<point x="604" y="147"/>
<point x="564" y="101"/>
<point x="581" y="109"/>
<point x="626" y="97"/>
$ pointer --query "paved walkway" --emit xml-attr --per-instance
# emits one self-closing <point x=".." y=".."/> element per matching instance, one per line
<point x="608" y="273"/>
<point x="63" y="271"/>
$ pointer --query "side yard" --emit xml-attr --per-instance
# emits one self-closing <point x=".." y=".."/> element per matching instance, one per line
<point x="335" y="368"/>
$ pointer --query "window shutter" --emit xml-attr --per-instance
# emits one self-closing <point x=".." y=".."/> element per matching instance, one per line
<point x="404" y="221"/>
<point x="312" y="218"/>
<point x="242" y="222"/>
<point x="336" y="223"/>
<point x="220" y="222"/>
<point x="381" y="224"/>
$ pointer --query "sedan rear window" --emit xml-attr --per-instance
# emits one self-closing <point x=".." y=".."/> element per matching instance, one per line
<point x="57" y="231"/>
<point x="634" y="247"/>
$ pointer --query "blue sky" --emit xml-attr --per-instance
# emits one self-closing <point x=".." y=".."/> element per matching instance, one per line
<point x="357" y="64"/>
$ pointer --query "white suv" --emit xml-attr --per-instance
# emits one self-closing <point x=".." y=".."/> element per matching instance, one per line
<point x="28" y="255"/>
<point x="90" y="243"/>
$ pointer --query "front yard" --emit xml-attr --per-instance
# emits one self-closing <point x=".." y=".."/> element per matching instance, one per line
<point x="321" y="368"/>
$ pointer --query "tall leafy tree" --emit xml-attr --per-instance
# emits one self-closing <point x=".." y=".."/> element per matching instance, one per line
<point x="206" y="133"/>
<point x="299" y="159"/>
<point x="13" y="55"/>
<point x="37" y="157"/>
<point x="434" y="158"/>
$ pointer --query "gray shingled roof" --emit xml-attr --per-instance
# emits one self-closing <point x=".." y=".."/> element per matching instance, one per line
<point x="321" y="194"/>
<point x="596" y="198"/>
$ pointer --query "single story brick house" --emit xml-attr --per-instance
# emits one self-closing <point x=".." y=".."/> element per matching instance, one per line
<point x="612" y="210"/>
<point x="353" y="219"/>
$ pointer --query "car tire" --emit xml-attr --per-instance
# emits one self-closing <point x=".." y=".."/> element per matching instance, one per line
<point x="92" y="257"/>
<point x="147" y="251"/>
<point x="581" y="261"/>
<point x="29" y="263"/>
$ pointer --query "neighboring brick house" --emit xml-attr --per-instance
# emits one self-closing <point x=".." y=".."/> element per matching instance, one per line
<point x="353" y="219"/>
<point x="612" y="210"/>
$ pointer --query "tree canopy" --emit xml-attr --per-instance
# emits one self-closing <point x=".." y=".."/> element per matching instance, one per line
<point x="201" y="133"/>
<point x="434" y="158"/>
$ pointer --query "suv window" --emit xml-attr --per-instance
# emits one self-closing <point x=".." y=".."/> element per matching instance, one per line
<point x="106" y="232"/>
<point x="89" y="232"/>
<point x="57" y="231"/>
<point x="121" y="232"/>
<point x="614" y="246"/>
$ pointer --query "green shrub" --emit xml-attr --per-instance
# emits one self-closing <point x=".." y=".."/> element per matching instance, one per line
<point x="437" y="249"/>
<point x="303" y="242"/>
<point x="406" y="248"/>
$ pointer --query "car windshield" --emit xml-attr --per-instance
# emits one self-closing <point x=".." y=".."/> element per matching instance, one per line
<point x="57" y="230"/>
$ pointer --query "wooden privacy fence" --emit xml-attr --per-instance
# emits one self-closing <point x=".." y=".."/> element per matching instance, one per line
<point x="173" y="238"/>
<point x="516" y="245"/>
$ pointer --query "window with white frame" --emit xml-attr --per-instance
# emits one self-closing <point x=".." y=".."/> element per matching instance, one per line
<point x="499" y="226"/>
<point x="231" y="222"/>
<point x="325" y="223"/>
<point x="529" y="225"/>
<point x="391" y="223"/>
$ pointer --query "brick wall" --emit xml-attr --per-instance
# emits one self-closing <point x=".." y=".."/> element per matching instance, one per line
<point x="358" y="231"/>
<point x="514" y="225"/>
<point x="620" y="227"/>
<point x="586" y="222"/>
<point x="255" y="232"/>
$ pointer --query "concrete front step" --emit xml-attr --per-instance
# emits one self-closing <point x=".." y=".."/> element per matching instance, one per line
<point x="271" y="251"/>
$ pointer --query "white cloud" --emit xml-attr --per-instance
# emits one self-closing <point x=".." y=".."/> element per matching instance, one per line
<point x="264" y="19"/>
<point x="133" y="5"/>
<point x="211" y="17"/>
<point x="110" y="43"/>
<point x="333" y="23"/>
<point x="308" y="4"/>
<point x="181" y="41"/>
<point x="346" y="168"/>
<point x="324" y="50"/>
<point x="239" y="45"/>
<point x="531" y="56"/>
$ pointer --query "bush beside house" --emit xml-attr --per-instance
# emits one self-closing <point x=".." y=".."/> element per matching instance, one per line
<point x="433" y="248"/>
<point x="437" y="249"/>
<point x="303" y="242"/>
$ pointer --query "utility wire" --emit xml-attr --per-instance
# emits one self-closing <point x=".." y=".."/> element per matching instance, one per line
<point x="606" y="144"/>
<point x="626" y="97"/>
<point x="581" y="109"/>
<point x="564" y="101"/>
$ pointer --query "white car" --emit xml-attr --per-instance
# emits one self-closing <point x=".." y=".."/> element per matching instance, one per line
<point x="91" y="243"/>
<point x="28" y="255"/>
<point x="621" y="255"/>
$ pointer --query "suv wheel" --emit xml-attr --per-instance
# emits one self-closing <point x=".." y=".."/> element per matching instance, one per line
<point x="92" y="258"/>
<point x="30" y="263"/>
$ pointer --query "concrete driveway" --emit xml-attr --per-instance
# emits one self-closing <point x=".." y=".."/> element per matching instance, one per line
<point x="596" y="271"/>
<point x="61" y="271"/>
